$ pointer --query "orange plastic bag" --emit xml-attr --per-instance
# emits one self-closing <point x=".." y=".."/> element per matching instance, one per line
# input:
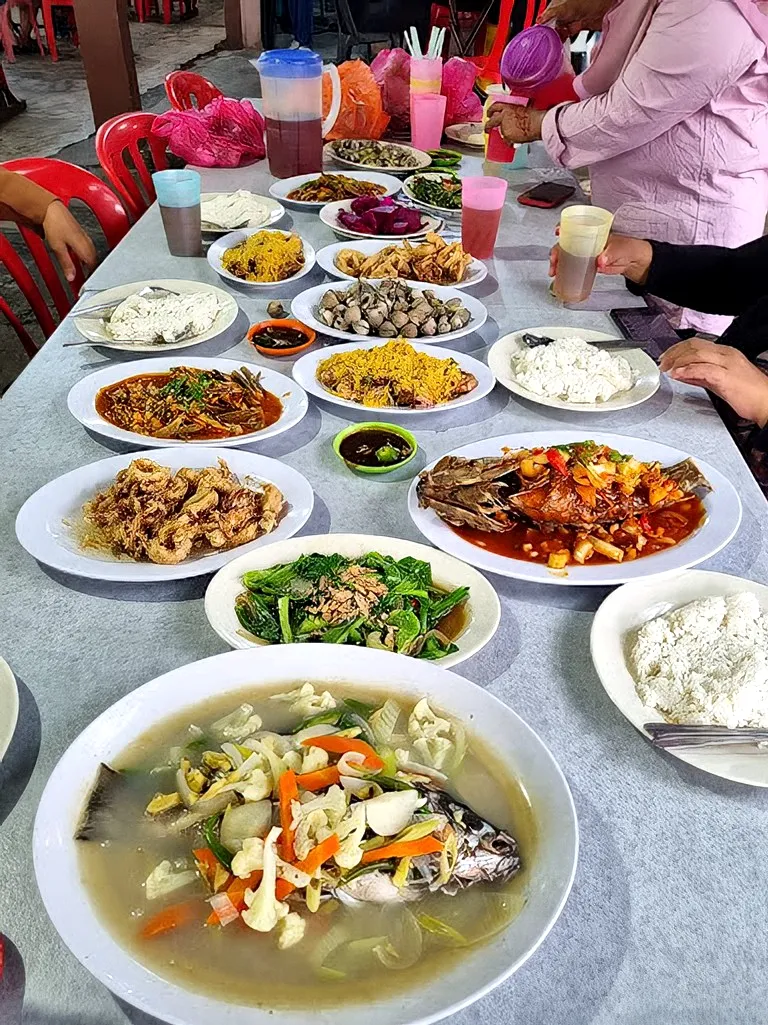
<point x="360" y="108"/>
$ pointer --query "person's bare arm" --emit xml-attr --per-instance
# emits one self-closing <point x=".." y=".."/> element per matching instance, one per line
<point x="570" y="17"/>
<point x="23" y="200"/>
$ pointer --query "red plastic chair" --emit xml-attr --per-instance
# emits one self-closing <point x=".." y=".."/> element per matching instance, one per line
<point x="6" y="30"/>
<point x="50" y="34"/>
<point x="24" y="337"/>
<point x="186" y="90"/>
<point x="67" y="182"/>
<point x="120" y="137"/>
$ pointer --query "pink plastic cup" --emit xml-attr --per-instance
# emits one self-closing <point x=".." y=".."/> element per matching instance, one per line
<point x="426" y="74"/>
<point x="427" y="117"/>
<point x="482" y="203"/>
<point x="497" y="150"/>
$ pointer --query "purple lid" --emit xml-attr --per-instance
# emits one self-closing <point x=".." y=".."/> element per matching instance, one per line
<point x="533" y="58"/>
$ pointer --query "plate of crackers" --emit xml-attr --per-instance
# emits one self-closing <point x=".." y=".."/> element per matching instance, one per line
<point x="435" y="261"/>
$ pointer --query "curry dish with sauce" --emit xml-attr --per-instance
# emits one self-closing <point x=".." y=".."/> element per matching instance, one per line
<point x="186" y="404"/>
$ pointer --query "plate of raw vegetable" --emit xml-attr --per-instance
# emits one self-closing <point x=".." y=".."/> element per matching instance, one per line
<point x="435" y="191"/>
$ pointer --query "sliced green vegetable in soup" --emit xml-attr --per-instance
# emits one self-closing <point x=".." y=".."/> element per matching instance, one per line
<point x="302" y="841"/>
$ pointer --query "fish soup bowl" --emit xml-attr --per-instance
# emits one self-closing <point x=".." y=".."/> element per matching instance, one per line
<point x="175" y="984"/>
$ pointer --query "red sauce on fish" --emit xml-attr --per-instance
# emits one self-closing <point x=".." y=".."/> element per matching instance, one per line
<point x="677" y="522"/>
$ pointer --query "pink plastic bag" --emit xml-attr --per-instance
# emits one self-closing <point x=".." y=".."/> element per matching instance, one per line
<point x="458" y="85"/>
<point x="225" y="133"/>
<point x="392" y="71"/>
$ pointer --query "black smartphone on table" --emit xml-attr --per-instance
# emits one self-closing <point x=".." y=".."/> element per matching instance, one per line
<point x="546" y="196"/>
<point x="646" y="326"/>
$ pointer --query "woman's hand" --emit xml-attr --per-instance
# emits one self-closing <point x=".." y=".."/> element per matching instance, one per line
<point x="516" y="123"/>
<point x="722" y="370"/>
<point x="622" y="255"/>
<point x="62" y="233"/>
<point x="572" y="16"/>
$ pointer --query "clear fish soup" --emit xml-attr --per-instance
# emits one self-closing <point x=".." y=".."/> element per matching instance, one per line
<point x="305" y="849"/>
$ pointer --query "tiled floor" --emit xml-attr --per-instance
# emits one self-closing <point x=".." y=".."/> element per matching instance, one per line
<point x="58" y="111"/>
<point x="58" y="122"/>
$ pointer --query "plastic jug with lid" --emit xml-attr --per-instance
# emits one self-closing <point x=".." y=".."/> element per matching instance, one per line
<point x="535" y="64"/>
<point x="292" y="98"/>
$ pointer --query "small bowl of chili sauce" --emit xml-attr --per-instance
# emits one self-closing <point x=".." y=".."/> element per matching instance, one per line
<point x="375" y="447"/>
<point x="281" y="337"/>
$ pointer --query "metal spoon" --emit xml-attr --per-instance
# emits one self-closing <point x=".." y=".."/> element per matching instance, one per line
<point x="187" y="333"/>
<point x="149" y="290"/>
<point x="610" y="345"/>
<point x="671" y="735"/>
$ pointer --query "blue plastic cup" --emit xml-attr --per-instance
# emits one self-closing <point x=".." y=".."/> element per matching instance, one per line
<point x="177" y="188"/>
<point x="178" y="196"/>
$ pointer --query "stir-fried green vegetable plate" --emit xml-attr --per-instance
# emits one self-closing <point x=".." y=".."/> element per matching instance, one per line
<point x="374" y="601"/>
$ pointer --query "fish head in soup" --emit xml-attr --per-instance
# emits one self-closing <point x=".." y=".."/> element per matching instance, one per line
<point x="328" y="837"/>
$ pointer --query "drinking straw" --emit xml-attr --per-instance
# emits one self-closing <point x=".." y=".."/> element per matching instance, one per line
<point x="415" y="45"/>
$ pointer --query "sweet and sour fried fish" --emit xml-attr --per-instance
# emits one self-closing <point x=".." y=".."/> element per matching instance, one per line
<point x="490" y="493"/>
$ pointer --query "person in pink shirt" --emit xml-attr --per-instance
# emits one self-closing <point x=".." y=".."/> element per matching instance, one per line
<point x="673" y="124"/>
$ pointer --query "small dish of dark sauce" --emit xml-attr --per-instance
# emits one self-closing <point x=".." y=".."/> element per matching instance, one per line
<point x="278" y="337"/>
<point x="375" y="446"/>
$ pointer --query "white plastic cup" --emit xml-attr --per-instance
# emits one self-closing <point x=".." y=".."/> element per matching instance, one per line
<point x="584" y="232"/>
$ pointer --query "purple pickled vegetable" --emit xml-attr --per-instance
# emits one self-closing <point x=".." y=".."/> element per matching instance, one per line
<point x="363" y="203"/>
<point x="373" y="216"/>
<point x="355" y="223"/>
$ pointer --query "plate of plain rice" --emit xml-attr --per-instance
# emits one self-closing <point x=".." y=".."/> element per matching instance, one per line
<point x="690" y="648"/>
<point x="571" y="373"/>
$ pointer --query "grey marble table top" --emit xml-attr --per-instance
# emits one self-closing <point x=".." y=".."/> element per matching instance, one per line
<point x="665" y="921"/>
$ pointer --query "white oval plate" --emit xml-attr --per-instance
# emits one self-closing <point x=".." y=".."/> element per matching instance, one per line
<point x="424" y="160"/>
<point x="329" y="215"/>
<point x="483" y="604"/>
<point x="646" y="373"/>
<point x="722" y="504"/>
<point x="326" y="258"/>
<point x="81" y="401"/>
<point x="234" y="238"/>
<point x="280" y="188"/>
<point x="41" y="524"/>
<point x="617" y="620"/>
<point x="469" y="133"/>
<point x="515" y="748"/>
<point x="305" y="374"/>
<point x="304" y="305"/>
<point x="9" y="704"/>
<point x="437" y="211"/>
<point x="95" y="331"/>
<point x="274" y="212"/>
